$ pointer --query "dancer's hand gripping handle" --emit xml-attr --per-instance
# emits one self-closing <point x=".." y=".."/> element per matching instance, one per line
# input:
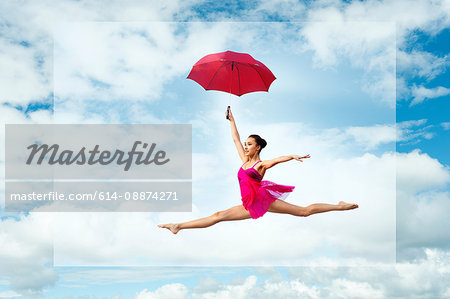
<point x="229" y="115"/>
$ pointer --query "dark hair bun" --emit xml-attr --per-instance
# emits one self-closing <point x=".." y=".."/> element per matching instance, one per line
<point x="263" y="143"/>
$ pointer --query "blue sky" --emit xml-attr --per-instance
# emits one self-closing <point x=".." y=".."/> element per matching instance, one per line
<point x="335" y="97"/>
<point x="434" y="110"/>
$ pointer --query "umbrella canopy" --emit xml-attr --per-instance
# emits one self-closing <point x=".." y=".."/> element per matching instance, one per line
<point x="232" y="72"/>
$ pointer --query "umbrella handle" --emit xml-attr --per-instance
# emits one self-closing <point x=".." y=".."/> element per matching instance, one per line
<point x="228" y="112"/>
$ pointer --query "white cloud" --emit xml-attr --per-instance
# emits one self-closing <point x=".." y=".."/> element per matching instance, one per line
<point x="373" y="136"/>
<point x="35" y="64"/>
<point x="168" y="291"/>
<point x="417" y="172"/>
<point x="27" y="42"/>
<point x="432" y="272"/>
<point x="351" y="289"/>
<point x="9" y="294"/>
<point x="22" y="79"/>
<point x="421" y="93"/>
<point x="26" y="254"/>
<point x="403" y="90"/>
<point x="422" y="222"/>
<point x="421" y="64"/>
<point x="248" y="288"/>
<point x="133" y="61"/>
<point x="127" y="275"/>
<point x="237" y="291"/>
<point x="206" y="284"/>
<point x="423" y="204"/>
<point x="413" y="131"/>
<point x="407" y="14"/>
<point x="11" y="115"/>
<point x="411" y="123"/>
<point x="287" y="9"/>
<point x="446" y="125"/>
<point x="366" y="45"/>
<point x="427" y="277"/>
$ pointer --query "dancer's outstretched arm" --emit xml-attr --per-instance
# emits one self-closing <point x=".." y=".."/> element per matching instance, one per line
<point x="270" y="163"/>
<point x="237" y="138"/>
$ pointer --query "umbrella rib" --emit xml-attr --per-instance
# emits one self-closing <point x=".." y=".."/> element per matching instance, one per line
<point x="259" y="76"/>
<point x="215" y="74"/>
<point x="239" y="80"/>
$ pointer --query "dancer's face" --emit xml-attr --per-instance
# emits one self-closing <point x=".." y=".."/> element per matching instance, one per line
<point x="251" y="147"/>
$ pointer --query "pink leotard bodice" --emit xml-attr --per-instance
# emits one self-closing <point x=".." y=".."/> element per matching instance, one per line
<point x="258" y="195"/>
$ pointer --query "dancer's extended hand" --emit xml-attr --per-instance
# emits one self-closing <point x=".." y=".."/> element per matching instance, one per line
<point x="299" y="158"/>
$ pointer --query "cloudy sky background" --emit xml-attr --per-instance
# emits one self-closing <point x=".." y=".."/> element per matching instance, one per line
<point x="147" y="56"/>
<point x="352" y="79"/>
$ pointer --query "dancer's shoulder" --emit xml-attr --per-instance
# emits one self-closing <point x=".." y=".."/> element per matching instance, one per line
<point x="244" y="159"/>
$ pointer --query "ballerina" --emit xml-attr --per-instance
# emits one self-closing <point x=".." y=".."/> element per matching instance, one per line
<point x="258" y="196"/>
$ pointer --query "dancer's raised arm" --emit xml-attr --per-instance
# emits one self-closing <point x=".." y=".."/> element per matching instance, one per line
<point x="236" y="138"/>
<point x="270" y="163"/>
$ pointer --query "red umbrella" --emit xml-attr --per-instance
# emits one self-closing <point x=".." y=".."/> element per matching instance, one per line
<point x="232" y="72"/>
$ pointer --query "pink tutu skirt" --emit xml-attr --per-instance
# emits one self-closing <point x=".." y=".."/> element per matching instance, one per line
<point x="258" y="195"/>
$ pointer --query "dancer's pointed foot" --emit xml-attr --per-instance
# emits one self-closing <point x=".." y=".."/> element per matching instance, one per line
<point x="347" y="206"/>
<point x="173" y="227"/>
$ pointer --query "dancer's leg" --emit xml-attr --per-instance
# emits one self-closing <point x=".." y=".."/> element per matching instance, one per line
<point x="280" y="206"/>
<point x="234" y="213"/>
